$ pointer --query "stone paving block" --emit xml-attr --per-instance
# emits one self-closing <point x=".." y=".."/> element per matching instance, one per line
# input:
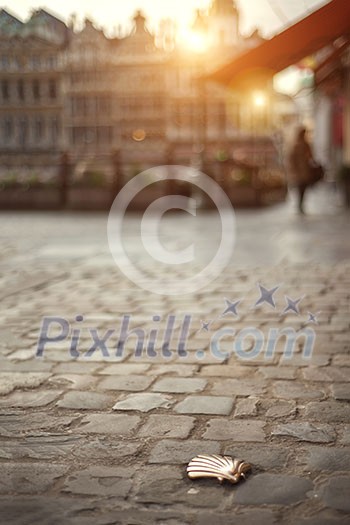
<point x="101" y="481"/>
<point x="234" y="371"/>
<point x="85" y="400"/>
<point x="174" y="452"/>
<point x="235" y="430"/>
<point x="279" y="409"/>
<point x="107" y="450"/>
<point x="330" y="459"/>
<point x="241" y="517"/>
<point x="72" y="381"/>
<point x="329" y="411"/>
<point x="124" y="369"/>
<point x="272" y="489"/>
<point x="173" y="491"/>
<point x="173" y="369"/>
<point x="29" y="478"/>
<point x="76" y="367"/>
<point x="118" y="424"/>
<point x="179" y="385"/>
<point x="43" y="510"/>
<point x="341" y="390"/>
<point x="239" y="387"/>
<point x="167" y="426"/>
<point x="345" y="435"/>
<point x="341" y="360"/>
<point x="247" y="407"/>
<point x="14" y="424"/>
<point x="261" y="456"/>
<point x="56" y="447"/>
<point x="32" y="365"/>
<point x="335" y="493"/>
<point x="131" y="383"/>
<point x="278" y="372"/>
<point x="144" y="402"/>
<point x="305" y="431"/>
<point x="296" y="390"/>
<point x="329" y="373"/>
<point x="9" y="381"/>
<point x="205" y="405"/>
<point x="30" y="399"/>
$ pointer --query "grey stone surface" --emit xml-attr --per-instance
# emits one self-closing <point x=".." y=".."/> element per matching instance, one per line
<point x="235" y="430"/>
<point x="335" y="493"/>
<point x="9" y="381"/>
<point x="205" y="405"/>
<point x="132" y="383"/>
<point x="329" y="411"/>
<point x="29" y="478"/>
<point x="247" y="407"/>
<point x="341" y="391"/>
<point x="144" y="402"/>
<point x="118" y="424"/>
<point x="33" y="399"/>
<point x="273" y="489"/>
<point x="179" y="385"/>
<point x="103" y="481"/>
<point x="296" y="390"/>
<point x="85" y="400"/>
<point x="330" y="459"/>
<point x="167" y="426"/>
<point x="171" y="451"/>
<point x="304" y="431"/>
<point x="239" y="387"/>
<point x="96" y="466"/>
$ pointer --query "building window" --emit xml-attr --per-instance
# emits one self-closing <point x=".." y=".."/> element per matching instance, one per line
<point x="23" y="131"/>
<point x="54" y="129"/>
<point x="5" y="62"/>
<point x="5" y="90"/>
<point x="51" y="62"/>
<point x="35" y="62"/>
<point x="20" y="89"/>
<point x="36" y="89"/>
<point x="52" y="89"/>
<point x="38" y="129"/>
<point x="7" y="129"/>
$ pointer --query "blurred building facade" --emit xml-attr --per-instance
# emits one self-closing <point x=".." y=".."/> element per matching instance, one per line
<point x="100" y="98"/>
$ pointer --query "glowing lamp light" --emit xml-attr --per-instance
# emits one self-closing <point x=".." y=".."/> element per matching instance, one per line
<point x="139" y="135"/>
<point x="259" y="99"/>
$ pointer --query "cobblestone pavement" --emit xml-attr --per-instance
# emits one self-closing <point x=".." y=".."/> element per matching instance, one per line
<point x="104" y="440"/>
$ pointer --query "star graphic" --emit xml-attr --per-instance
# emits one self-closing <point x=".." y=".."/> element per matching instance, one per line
<point x="292" y="306"/>
<point x="231" y="307"/>
<point x="312" y="318"/>
<point x="266" y="296"/>
<point x="205" y="325"/>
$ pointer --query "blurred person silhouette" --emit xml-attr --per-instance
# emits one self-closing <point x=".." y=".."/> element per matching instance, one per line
<point x="301" y="163"/>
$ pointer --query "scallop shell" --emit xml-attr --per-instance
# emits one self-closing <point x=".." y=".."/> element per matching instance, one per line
<point x="220" y="467"/>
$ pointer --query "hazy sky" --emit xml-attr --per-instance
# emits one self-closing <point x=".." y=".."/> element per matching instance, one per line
<point x="269" y="15"/>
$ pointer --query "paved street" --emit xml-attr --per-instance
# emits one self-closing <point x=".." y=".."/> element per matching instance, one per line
<point x="96" y="433"/>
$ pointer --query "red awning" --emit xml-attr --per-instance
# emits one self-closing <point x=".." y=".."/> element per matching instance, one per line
<point x="311" y="34"/>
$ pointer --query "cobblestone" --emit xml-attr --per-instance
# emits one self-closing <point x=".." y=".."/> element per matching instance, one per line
<point x="179" y="385"/>
<point x="273" y="489"/>
<point x="335" y="493"/>
<point x="68" y="457"/>
<point x="304" y="431"/>
<point x="167" y="426"/>
<point x="181" y="452"/>
<point x="205" y="405"/>
<point x="85" y="401"/>
<point x="144" y="402"/>
<point x="329" y="411"/>
<point x="235" y="430"/>
<point x="122" y="424"/>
